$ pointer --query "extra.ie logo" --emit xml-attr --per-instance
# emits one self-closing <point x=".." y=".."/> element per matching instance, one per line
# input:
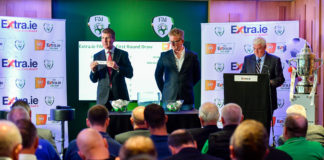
<point x="20" y="65"/>
<point x="24" y="26"/>
<point x="235" y="29"/>
<point x="32" y="101"/>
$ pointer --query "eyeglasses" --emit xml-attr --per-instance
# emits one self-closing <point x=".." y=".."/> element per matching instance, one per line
<point x="173" y="42"/>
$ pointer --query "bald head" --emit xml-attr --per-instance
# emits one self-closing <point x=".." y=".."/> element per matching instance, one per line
<point x="296" y="108"/>
<point x="18" y="113"/>
<point x="295" y="126"/>
<point x="92" y="145"/>
<point x="138" y="115"/>
<point x="208" y="112"/>
<point x="138" y="148"/>
<point x="10" y="140"/>
<point x="231" y="114"/>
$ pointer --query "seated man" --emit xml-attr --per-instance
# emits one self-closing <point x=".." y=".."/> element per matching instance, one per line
<point x="10" y="140"/>
<point x="138" y="148"/>
<point x="296" y="145"/>
<point x="30" y="139"/>
<point x="137" y="120"/>
<point x="92" y="145"/>
<point x="208" y="116"/>
<point x="156" y="120"/>
<point x="98" y="119"/>
<point x="184" y="147"/>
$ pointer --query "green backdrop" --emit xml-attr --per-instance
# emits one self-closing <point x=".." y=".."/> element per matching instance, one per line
<point x="131" y="20"/>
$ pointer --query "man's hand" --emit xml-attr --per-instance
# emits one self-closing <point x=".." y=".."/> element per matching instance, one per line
<point x="113" y="65"/>
<point x="93" y="66"/>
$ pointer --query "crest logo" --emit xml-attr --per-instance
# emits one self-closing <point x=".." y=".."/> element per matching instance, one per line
<point x="49" y="100"/>
<point x="219" y="102"/>
<point x="280" y="103"/>
<point x="19" y="44"/>
<point x="20" y="83"/>
<point x="279" y="30"/>
<point x="219" y="31"/>
<point x="248" y="48"/>
<point x="48" y="27"/>
<point x="219" y="84"/>
<point x="162" y="25"/>
<point x="98" y="23"/>
<point x="219" y="67"/>
<point x="48" y="64"/>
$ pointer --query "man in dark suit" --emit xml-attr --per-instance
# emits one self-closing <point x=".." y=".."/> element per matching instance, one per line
<point x="110" y="75"/>
<point x="137" y="121"/>
<point x="177" y="71"/>
<point x="218" y="142"/>
<point x="183" y="146"/>
<point x="208" y="116"/>
<point x="263" y="62"/>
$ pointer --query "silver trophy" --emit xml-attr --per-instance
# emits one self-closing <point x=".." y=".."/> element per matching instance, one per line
<point x="306" y="70"/>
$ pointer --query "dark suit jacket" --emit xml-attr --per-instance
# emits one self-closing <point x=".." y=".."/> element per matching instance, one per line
<point x="218" y="142"/>
<point x="202" y="134"/>
<point x="191" y="153"/>
<point x="101" y="76"/>
<point x="176" y="85"/>
<point x="122" y="137"/>
<point x="272" y="65"/>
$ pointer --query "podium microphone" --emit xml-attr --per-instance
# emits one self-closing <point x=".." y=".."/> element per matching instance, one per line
<point x="271" y="113"/>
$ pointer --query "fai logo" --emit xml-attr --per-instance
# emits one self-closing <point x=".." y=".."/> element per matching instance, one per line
<point x="219" y="102"/>
<point x="98" y="23"/>
<point x="49" y="100"/>
<point x="48" y="27"/>
<point x="219" y="67"/>
<point x="48" y="64"/>
<point x="219" y="85"/>
<point x="20" y="83"/>
<point x="219" y="31"/>
<point x="162" y="25"/>
<point x="19" y="44"/>
<point x="279" y="30"/>
<point x="248" y="48"/>
<point x="280" y="102"/>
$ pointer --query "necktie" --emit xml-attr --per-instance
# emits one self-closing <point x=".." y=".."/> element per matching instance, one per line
<point x="109" y="59"/>
<point x="258" y="66"/>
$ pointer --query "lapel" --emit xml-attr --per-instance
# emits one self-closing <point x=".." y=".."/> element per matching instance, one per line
<point x="267" y="62"/>
<point x="102" y="55"/>
<point x="170" y="56"/>
<point x="252" y="64"/>
<point x="117" y="55"/>
<point x="185" y="63"/>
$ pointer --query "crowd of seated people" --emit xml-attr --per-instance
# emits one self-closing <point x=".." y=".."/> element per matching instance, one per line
<point x="239" y="139"/>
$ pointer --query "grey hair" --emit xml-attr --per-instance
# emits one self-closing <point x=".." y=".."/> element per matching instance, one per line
<point x="9" y="137"/>
<point x="260" y="40"/>
<point x="232" y="113"/>
<point x="209" y="112"/>
<point x="296" y="108"/>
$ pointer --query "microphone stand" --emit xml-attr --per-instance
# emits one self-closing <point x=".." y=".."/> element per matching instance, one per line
<point x="271" y="112"/>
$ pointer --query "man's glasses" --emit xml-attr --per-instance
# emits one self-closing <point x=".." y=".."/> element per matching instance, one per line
<point x="174" y="42"/>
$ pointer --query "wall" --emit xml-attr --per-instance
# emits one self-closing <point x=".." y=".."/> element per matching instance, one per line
<point x="24" y="8"/>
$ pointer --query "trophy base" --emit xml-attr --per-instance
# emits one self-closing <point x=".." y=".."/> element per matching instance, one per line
<point x="303" y="89"/>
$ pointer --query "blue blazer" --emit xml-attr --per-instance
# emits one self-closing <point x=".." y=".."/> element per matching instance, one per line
<point x="101" y="76"/>
<point x="173" y="84"/>
<point x="273" y="65"/>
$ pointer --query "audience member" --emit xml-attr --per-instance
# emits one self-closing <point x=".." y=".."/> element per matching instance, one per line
<point x="29" y="139"/>
<point x="92" y="145"/>
<point x="10" y="141"/>
<point x="249" y="141"/>
<point x="296" y="145"/>
<point x="156" y="120"/>
<point x="137" y="121"/>
<point x="138" y="148"/>
<point x="218" y="142"/>
<point x="184" y="147"/>
<point x="208" y="116"/>
<point x="45" y="150"/>
<point x="98" y="119"/>
<point x="314" y="132"/>
<point x="41" y="132"/>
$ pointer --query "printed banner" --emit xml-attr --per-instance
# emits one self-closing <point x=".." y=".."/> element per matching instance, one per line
<point x="224" y="46"/>
<point x="33" y="68"/>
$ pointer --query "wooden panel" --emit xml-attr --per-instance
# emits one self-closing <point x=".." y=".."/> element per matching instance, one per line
<point x="274" y="11"/>
<point x="26" y="8"/>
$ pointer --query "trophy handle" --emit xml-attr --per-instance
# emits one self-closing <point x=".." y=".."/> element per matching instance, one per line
<point x="321" y="63"/>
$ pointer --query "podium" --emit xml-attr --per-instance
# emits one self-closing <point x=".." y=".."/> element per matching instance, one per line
<point x="251" y="92"/>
